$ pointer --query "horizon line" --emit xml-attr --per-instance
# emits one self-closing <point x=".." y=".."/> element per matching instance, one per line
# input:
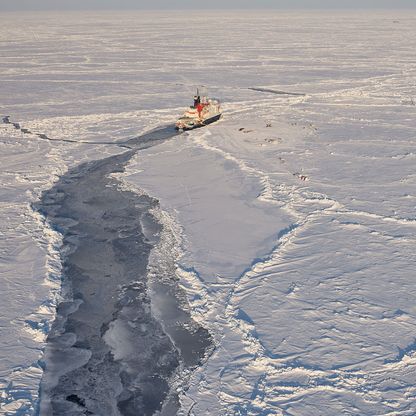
<point x="127" y="9"/>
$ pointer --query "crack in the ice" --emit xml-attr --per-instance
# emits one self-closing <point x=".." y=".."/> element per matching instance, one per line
<point x="43" y="136"/>
<point x="277" y="92"/>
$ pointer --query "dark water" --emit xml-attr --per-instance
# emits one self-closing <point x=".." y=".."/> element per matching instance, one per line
<point x="107" y="353"/>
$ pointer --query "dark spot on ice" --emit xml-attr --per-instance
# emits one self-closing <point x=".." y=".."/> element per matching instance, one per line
<point x="76" y="399"/>
<point x="43" y="136"/>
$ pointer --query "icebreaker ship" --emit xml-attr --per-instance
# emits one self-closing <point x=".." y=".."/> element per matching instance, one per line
<point x="204" y="111"/>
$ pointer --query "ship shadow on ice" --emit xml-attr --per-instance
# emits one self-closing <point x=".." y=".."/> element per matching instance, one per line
<point x="151" y="138"/>
<point x="107" y="352"/>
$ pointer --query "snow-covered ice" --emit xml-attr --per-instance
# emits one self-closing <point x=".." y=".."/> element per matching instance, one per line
<point x="297" y="239"/>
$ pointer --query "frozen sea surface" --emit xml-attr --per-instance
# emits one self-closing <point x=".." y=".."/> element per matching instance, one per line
<point x="293" y="243"/>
